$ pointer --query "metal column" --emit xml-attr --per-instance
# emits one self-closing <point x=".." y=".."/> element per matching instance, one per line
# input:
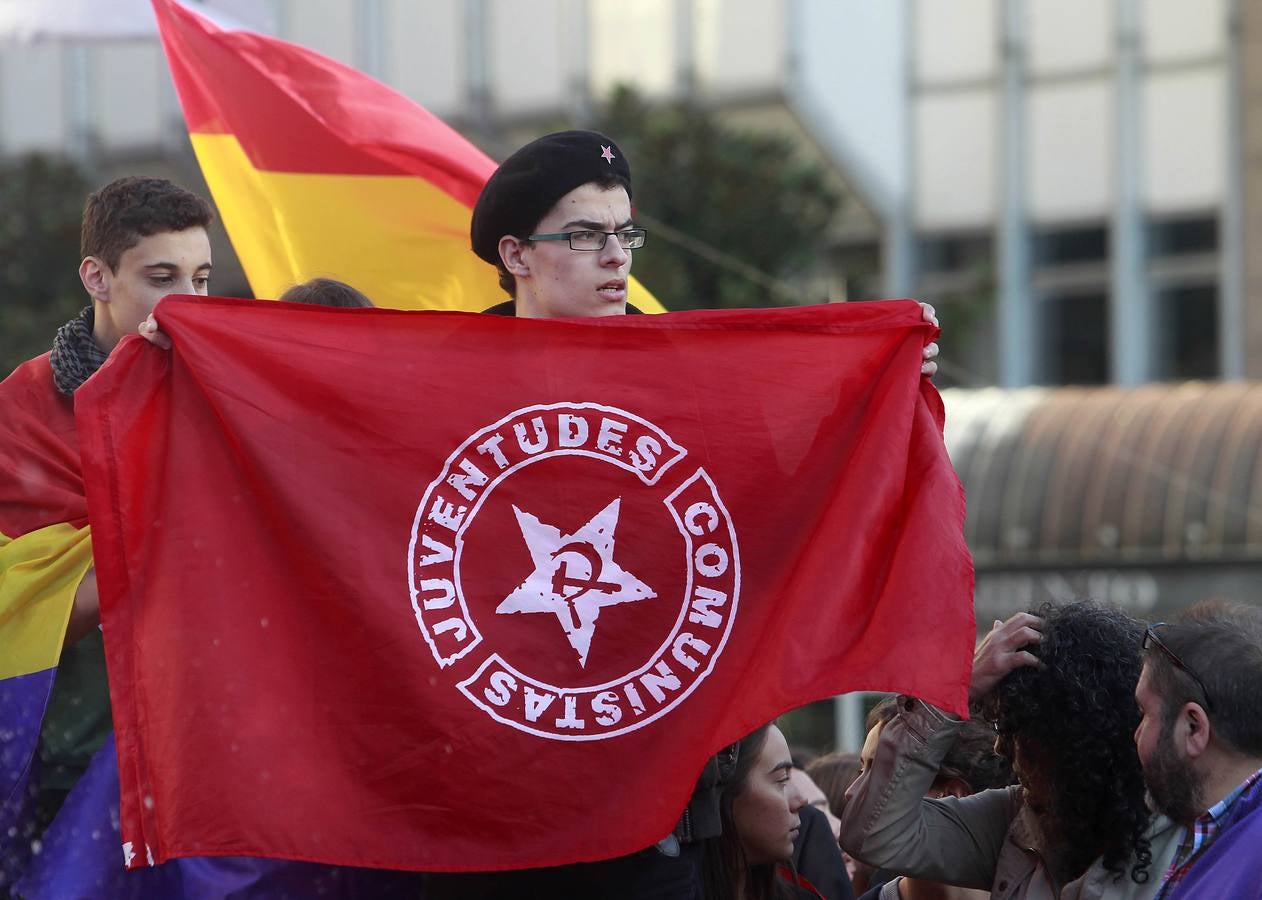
<point x="1132" y="329"/>
<point x="76" y="73"/>
<point x="900" y="234"/>
<point x="848" y="733"/>
<point x="478" y="67"/>
<point x="685" y="49"/>
<point x="577" y="19"/>
<point x="371" y="57"/>
<point x="1232" y="313"/>
<point x="1018" y="351"/>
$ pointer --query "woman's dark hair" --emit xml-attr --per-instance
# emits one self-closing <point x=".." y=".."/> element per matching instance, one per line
<point x="1074" y="716"/>
<point x="725" y="871"/>
<point x="326" y="292"/>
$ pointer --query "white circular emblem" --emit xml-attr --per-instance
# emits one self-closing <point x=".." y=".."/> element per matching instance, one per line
<point x="574" y="576"/>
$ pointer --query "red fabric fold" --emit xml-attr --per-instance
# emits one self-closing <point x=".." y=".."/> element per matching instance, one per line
<point x="308" y="113"/>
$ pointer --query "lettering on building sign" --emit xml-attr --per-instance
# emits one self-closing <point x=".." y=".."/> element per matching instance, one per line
<point x="1001" y="594"/>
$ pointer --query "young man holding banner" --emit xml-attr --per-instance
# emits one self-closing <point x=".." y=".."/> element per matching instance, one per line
<point x="556" y="222"/>
<point x="142" y="239"/>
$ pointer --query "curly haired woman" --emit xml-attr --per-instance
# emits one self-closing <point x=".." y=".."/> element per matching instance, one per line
<point x="1058" y="685"/>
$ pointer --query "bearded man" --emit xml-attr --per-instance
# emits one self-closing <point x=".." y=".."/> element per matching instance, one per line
<point x="1200" y="743"/>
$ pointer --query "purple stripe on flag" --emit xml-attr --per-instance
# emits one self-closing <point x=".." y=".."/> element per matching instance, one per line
<point x="81" y="858"/>
<point x="22" y="704"/>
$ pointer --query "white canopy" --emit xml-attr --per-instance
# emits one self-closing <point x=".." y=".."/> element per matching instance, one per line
<point x="97" y="20"/>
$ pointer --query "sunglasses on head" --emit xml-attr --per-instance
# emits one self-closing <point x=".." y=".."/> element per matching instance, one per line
<point x="1152" y="639"/>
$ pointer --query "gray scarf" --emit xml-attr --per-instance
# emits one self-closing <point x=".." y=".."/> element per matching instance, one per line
<point x="75" y="355"/>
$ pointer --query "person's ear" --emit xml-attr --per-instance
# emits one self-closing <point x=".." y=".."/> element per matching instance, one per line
<point x="95" y="275"/>
<point x="511" y="248"/>
<point x="1197" y="729"/>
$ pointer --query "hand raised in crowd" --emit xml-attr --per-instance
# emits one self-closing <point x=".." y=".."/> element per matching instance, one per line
<point x="929" y="367"/>
<point x="1003" y="650"/>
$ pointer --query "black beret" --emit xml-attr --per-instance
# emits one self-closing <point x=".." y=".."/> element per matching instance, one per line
<point x="530" y="182"/>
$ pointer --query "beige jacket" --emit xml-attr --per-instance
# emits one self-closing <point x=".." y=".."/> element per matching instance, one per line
<point x="985" y="841"/>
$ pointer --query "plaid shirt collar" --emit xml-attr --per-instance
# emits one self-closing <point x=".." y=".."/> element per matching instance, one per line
<point x="1202" y="833"/>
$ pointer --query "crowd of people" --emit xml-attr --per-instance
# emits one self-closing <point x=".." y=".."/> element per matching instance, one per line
<point x="1105" y="758"/>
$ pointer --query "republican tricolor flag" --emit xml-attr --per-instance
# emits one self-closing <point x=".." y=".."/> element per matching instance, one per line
<point x="319" y="170"/>
<point x="444" y="592"/>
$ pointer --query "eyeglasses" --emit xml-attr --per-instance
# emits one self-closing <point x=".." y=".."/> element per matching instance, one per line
<point x="1151" y="639"/>
<point x="630" y="239"/>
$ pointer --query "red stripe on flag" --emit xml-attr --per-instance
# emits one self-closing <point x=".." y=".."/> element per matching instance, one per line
<point x="294" y="110"/>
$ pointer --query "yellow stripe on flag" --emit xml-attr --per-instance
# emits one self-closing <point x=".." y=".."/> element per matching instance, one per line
<point x="399" y="239"/>
<point x="39" y="574"/>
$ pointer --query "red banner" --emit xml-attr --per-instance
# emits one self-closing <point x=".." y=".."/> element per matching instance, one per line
<point x="444" y="591"/>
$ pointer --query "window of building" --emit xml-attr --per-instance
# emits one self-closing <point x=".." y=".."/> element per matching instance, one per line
<point x="954" y="252"/>
<point x="1076" y="338"/>
<point x="1188" y="333"/>
<point x="1181" y="237"/>
<point x="1070" y="245"/>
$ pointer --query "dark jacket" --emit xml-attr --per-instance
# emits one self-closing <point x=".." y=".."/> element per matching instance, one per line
<point x="817" y="857"/>
<point x="507" y="309"/>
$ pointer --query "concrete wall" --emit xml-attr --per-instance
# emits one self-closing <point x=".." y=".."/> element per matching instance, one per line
<point x="1070" y="108"/>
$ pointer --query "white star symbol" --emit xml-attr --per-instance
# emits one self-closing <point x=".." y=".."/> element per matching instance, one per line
<point x="575" y="576"/>
<point x="607" y="153"/>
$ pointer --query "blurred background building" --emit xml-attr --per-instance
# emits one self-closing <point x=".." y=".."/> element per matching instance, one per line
<point x="1073" y="183"/>
<point x="1064" y="177"/>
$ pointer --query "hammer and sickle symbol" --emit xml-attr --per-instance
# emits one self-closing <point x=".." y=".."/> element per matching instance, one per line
<point x="562" y="579"/>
